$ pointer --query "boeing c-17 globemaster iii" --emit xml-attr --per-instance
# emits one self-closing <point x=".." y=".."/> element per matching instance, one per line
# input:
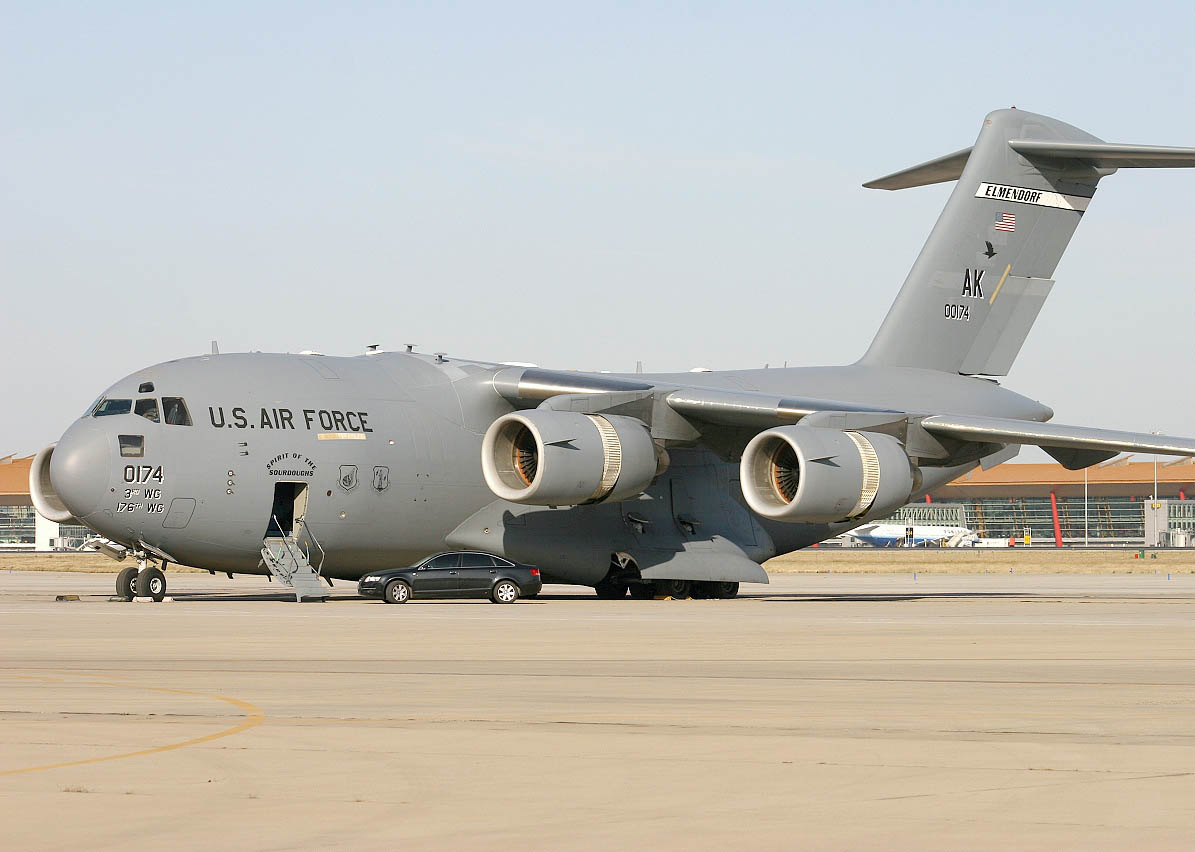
<point x="302" y="466"/>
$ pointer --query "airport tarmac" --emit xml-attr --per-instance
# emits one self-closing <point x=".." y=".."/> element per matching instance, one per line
<point x="822" y="712"/>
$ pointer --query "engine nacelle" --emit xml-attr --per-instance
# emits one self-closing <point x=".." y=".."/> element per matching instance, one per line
<point x="565" y="458"/>
<point x="810" y="474"/>
<point x="41" y="490"/>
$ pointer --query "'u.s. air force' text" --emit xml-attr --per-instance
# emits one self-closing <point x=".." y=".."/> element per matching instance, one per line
<point x="322" y="419"/>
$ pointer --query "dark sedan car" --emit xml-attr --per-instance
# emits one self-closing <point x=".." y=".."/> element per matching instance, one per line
<point x="459" y="574"/>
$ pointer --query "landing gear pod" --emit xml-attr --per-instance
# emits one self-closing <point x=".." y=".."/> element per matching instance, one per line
<point x="564" y="458"/>
<point x="809" y="474"/>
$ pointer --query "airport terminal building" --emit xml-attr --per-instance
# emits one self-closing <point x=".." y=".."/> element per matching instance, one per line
<point x="1115" y="503"/>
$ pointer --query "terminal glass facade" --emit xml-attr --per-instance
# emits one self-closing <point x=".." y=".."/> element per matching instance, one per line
<point x="17" y="524"/>
<point x="1107" y="520"/>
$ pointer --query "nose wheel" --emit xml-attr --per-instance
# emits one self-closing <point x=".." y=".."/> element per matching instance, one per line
<point x="141" y="581"/>
<point x="125" y="582"/>
<point x="151" y="583"/>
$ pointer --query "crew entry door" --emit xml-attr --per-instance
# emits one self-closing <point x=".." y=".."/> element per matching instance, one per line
<point x="290" y="505"/>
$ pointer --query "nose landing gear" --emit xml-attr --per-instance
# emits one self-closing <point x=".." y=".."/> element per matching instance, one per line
<point x="141" y="581"/>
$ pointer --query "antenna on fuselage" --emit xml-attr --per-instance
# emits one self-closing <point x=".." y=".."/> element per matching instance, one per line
<point x="215" y="348"/>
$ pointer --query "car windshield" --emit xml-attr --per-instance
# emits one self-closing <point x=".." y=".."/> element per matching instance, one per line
<point x="106" y="407"/>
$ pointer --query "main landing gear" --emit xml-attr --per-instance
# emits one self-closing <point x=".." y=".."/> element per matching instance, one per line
<point x="676" y="589"/>
<point x="623" y="577"/>
<point x="141" y="581"/>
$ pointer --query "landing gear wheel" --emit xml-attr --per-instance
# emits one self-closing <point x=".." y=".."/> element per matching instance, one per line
<point x="397" y="592"/>
<point x="151" y="583"/>
<point x="725" y="590"/>
<point x="505" y="592"/>
<point x="642" y="591"/>
<point x="611" y="590"/>
<point x="702" y="590"/>
<point x="125" y="581"/>
<point x="672" y="588"/>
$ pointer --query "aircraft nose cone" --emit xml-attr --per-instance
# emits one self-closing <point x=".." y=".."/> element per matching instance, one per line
<point x="79" y="468"/>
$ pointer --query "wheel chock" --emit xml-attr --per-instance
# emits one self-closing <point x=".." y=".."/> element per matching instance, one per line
<point x="66" y="597"/>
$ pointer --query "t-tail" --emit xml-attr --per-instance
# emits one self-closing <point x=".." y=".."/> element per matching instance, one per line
<point x="987" y="268"/>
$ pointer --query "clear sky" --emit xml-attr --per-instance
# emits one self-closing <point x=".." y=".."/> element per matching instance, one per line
<point x="677" y="184"/>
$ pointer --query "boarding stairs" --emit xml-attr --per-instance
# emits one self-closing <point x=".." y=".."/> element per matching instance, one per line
<point x="289" y="559"/>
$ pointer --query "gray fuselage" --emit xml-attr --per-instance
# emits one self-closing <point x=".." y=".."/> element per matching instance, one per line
<point x="388" y="446"/>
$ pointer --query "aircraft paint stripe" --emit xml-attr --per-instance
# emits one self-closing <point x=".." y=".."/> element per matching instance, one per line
<point x="340" y="436"/>
<point x="996" y="293"/>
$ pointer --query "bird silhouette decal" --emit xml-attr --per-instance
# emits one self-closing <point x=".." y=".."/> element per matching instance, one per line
<point x="991" y="252"/>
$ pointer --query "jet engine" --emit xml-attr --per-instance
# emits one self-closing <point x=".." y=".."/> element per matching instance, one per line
<point x="810" y="474"/>
<point x="41" y="490"/>
<point x="565" y="458"/>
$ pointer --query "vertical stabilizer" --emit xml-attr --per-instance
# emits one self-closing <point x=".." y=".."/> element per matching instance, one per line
<point x="983" y="275"/>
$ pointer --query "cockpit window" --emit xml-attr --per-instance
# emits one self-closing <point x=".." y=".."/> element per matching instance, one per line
<point x="106" y="407"/>
<point x="175" y="410"/>
<point x="147" y="408"/>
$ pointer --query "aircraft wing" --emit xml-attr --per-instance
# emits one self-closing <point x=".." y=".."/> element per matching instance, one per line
<point x="1065" y="443"/>
<point x="728" y="418"/>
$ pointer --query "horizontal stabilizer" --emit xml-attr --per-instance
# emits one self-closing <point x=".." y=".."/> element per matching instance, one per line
<point x="1097" y="444"/>
<point x="1107" y="155"/>
<point x="949" y="167"/>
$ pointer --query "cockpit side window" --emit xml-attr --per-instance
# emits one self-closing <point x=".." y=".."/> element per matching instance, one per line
<point x="106" y="407"/>
<point x="175" y="410"/>
<point x="147" y="408"/>
<point x="132" y="446"/>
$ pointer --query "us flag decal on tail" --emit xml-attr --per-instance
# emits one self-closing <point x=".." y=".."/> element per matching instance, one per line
<point x="1006" y="222"/>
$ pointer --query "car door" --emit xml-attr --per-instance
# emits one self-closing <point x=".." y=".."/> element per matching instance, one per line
<point x="439" y="576"/>
<point x="477" y="573"/>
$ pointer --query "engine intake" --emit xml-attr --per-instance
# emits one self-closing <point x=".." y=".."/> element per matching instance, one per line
<point x="565" y="458"/>
<point x="810" y="474"/>
<point x="41" y="490"/>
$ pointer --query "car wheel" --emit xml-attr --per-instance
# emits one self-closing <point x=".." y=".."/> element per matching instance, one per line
<point x="505" y="592"/>
<point x="397" y="592"/>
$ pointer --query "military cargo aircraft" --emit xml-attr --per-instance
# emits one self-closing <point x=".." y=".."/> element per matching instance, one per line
<point x="306" y="466"/>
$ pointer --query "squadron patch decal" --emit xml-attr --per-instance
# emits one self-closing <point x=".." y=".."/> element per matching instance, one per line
<point x="348" y="476"/>
<point x="294" y="465"/>
<point x="381" y="478"/>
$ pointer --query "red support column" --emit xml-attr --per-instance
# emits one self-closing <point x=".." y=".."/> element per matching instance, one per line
<point x="1182" y="494"/>
<point x="928" y="499"/>
<point x="1057" y="526"/>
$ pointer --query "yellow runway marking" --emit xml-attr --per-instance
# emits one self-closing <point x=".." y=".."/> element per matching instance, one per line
<point x="254" y="716"/>
<point x="1007" y="269"/>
